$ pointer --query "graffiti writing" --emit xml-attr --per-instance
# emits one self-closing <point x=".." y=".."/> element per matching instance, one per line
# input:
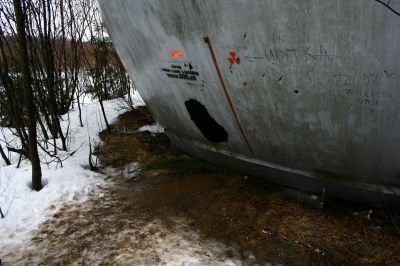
<point x="365" y="89"/>
<point x="278" y="55"/>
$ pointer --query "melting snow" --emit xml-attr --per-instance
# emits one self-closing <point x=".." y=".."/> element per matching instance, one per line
<point x="155" y="128"/>
<point x="25" y="209"/>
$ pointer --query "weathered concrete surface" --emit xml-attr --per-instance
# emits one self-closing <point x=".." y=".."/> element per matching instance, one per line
<point x="315" y="92"/>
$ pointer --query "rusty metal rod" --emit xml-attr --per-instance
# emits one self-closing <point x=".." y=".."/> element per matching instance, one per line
<point x="227" y="96"/>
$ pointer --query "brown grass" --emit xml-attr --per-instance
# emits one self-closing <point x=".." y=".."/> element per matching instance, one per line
<point x="256" y="218"/>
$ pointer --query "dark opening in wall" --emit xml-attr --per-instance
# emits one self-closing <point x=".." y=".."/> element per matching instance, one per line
<point x="210" y="129"/>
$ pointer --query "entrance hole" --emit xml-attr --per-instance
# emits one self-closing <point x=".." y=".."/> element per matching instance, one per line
<point x="210" y="129"/>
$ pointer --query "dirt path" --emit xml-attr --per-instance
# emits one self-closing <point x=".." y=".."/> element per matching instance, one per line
<point x="182" y="211"/>
<point x="116" y="229"/>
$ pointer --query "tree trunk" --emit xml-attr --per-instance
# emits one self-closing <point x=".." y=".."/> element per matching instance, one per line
<point x="5" y="158"/>
<point x="79" y="108"/>
<point x="62" y="137"/>
<point x="27" y="82"/>
<point x="104" y="115"/>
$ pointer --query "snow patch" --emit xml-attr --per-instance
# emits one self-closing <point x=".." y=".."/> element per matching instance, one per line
<point x="154" y="129"/>
<point x="72" y="181"/>
<point x="137" y="100"/>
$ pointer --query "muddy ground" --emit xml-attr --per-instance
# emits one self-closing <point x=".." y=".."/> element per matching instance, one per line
<point x="179" y="210"/>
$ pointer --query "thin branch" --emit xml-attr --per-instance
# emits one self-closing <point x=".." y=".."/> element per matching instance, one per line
<point x="388" y="6"/>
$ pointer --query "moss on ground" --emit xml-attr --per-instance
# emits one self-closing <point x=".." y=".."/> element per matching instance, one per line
<point x="183" y="165"/>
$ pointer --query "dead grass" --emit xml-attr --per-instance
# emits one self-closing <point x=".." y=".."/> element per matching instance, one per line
<point x="125" y="144"/>
<point x="246" y="213"/>
<point x="273" y="228"/>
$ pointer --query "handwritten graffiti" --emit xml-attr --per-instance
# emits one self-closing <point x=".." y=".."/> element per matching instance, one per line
<point x="366" y="90"/>
<point x="365" y="80"/>
<point x="278" y="55"/>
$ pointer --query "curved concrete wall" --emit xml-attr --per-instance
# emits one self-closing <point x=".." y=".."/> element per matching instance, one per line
<point x="309" y="85"/>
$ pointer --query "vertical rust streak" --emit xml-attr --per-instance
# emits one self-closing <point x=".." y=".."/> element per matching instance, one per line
<point x="227" y="96"/>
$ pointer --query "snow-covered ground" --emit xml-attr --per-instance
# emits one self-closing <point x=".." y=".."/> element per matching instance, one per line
<point x="75" y="192"/>
<point x="25" y="209"/>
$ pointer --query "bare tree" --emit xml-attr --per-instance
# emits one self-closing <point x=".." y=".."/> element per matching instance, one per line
<point x="65" y="40"/>
<point x="19" y="6"/>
